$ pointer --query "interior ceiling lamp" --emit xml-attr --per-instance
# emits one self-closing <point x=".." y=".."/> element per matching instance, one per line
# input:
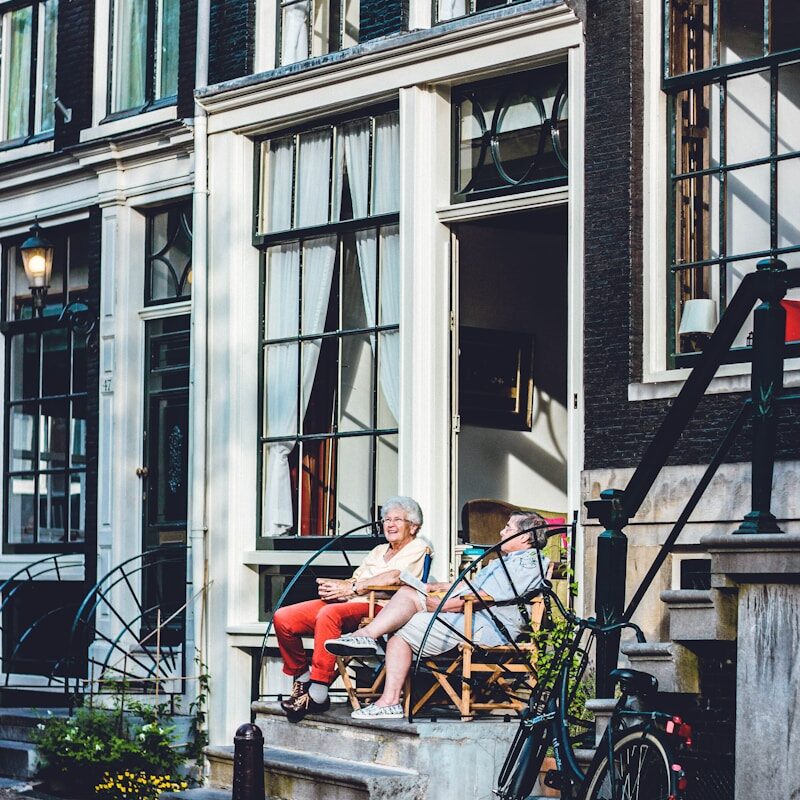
<point x="698" y="321"/>
<point x="37" y="259"/>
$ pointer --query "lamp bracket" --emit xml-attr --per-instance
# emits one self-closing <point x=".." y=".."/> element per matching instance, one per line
<point x="79" y="317"/>
<point x="65" y="112"/>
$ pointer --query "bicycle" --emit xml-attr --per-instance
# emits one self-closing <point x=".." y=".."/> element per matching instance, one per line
<point x="640" y="743"/>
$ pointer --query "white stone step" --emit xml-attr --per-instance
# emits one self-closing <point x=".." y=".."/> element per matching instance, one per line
<point x="701" y="615"/>
<point x="293" y="775"/>
<point x="674" y="666"/>
<point x="18" y="759"/>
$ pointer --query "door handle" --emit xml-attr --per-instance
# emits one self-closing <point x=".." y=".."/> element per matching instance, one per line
<point x="142" y="472"/>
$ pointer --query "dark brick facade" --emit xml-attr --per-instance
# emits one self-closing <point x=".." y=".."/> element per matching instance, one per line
<point x="381" y="18"/>
<point x="232" y="47"/>
<point x="618" y="430"/>
<point x="186" y="61"/>
<point x="74" y="68"/>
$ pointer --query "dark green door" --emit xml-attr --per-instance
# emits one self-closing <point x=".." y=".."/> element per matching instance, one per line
<point x="165" y="471"/>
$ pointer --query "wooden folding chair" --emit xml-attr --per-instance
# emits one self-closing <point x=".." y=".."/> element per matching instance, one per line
<point x="478" y="679"/>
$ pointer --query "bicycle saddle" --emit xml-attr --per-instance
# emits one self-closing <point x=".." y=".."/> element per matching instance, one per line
<point x="632" y="681"/>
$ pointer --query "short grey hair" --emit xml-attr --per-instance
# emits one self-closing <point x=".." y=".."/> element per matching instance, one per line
<point x="408" y="505"/>
<point x="530" y="519"/>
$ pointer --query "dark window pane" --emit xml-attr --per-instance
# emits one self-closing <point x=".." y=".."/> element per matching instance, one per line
<point x="53" y="508"/>
<point x="25" y="366"/>
<point x="741" y="30"/>
<point x="21" y="500"/>
<point x="77" y="507"/>
<point x="78" y="363"/>
<point x="784" y="30"/>
<point x="78" y="441"/>
<point x="55" y="362"/>
<point x="168" y="494"/>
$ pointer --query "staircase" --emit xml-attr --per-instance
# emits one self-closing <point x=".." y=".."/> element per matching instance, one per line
<point x="18" y="754"/>
<point x="334" y="757"/>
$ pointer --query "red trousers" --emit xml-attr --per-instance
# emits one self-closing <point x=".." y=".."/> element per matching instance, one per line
<point x="322" y="621"/>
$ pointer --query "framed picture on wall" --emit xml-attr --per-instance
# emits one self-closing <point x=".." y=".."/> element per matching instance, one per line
<point x="495" y="378"/>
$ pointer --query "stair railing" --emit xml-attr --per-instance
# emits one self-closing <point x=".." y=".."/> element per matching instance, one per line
<point x="616" y="507"/>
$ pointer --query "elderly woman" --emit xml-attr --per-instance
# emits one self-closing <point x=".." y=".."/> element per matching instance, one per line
<point x="339" y="608"/>
<point x="519" y="570"/>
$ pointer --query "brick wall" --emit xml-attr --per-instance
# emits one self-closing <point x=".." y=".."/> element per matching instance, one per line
<point x="382" y="17"/>
<point x="186" y="60"/>
<point x="232" y="39"/>
<point x="617" y="431"/>
<point x="74" y="68"/>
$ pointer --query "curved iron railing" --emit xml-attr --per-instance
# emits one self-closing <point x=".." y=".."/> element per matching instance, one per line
<point x="328" y="546"/>
<point x="13" y="588"/>
<point x="139" y="648"/>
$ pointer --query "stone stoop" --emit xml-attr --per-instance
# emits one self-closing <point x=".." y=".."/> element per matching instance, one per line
<point x="18" y="754"/>
<point x="674" y="666"/>
<point x="336" y="757"/>
<point x="701" y="616"/>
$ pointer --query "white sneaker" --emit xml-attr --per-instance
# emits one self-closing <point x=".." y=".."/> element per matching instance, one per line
<point x="350" y="645"/>
<point x="379" y="712"/>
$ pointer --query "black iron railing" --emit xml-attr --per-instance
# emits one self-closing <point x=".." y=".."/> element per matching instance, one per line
<point x="616" y="507"/>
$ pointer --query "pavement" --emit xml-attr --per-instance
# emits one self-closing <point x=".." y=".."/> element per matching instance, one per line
<point x="13" y="788"/>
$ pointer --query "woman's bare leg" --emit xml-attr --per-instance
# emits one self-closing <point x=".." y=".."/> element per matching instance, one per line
<point x="394" y="614"/>
<point x="398" y="663"/>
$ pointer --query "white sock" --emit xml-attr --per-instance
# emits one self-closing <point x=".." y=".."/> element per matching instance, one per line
<point x="305" y="677"/>
<point x="318" y="692"/>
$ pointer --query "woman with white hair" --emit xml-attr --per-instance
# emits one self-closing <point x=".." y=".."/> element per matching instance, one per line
<point x="340" y="608"/>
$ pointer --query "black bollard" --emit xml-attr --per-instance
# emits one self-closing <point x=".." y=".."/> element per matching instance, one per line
<point x="248" y="763"/>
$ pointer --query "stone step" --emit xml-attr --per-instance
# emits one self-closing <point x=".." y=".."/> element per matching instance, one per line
<point x="701" y="615"/>
<point x="674" y="665"/>
<point x="198" y="794"/>
<point x="463" y="757"/>
<point x="19" y="724"/>
<point x="18" y="759"/>
<point x="293" y="775"/>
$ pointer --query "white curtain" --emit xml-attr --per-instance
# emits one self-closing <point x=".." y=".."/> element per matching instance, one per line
<point x="313" y="168"/>
<point x="294" y="32"/>
<point x="386" y="194"/>
<point x="450" y="9"/>
<point x="19" y="72"/>
<point x="277" y="196"/>
<point x="130" y="56"/>
<point x="356" y="148"/>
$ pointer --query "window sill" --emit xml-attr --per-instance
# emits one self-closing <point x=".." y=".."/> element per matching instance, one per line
<point x="730" y="378"/>
<point x="26" y="151"/>
<point x="131" y="123"/>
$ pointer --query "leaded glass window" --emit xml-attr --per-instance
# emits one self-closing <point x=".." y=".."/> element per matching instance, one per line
<point x="168" y="258"/>
<point x="732" y="76"/>
<point x="144" y="53"/>
<point x="28" y="70"/>
<point x="510" y="134"/>
<point x="315" y="27"/>
<point x="46" y="402"/>
<point x="330" y="325"/>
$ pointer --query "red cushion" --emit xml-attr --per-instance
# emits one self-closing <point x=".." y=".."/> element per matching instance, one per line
<point x="792" y="319"/>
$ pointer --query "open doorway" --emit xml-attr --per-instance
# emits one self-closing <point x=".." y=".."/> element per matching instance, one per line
<point x="510" y="442"/>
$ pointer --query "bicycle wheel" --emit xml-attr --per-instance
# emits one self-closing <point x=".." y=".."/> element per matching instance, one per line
<point x="523" y="762"/>
<point x="642" y="769"/>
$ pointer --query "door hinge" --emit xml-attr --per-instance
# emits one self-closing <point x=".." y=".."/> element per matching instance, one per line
<point x="575" y="400"/>
<point x="456" y="423"/>
<point x="452" y="321"/>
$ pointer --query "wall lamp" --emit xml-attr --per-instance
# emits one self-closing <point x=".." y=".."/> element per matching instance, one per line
<point x="698" y="321"/>
<point x="37" y="260"/>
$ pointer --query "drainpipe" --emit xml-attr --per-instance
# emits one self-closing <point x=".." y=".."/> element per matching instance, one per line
<point x="198" y="477"/>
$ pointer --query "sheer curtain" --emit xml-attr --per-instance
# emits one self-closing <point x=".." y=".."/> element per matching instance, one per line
<point x="294" y="32"/>
<point x="130" y="53"/>
<point x="277" y="194"/>
<point x="386" y="197"/>
<point x="19" y="72"/>
<point x="46" y="100"/>
<point x="313" y="173"/>
<point x="450" y="9"/>
<point x="169" y="23"/>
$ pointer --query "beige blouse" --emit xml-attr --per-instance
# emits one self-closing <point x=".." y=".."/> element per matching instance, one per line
<point x="411" y="558"/>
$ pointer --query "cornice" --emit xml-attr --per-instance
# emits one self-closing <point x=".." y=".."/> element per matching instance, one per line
<point x="391" y="53"/>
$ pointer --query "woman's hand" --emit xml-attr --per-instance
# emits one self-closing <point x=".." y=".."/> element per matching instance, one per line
<point x="332" y="590"/>
<point x="453" y="603"/>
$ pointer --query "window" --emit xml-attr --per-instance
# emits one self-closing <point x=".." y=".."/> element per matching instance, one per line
<point x="28" y="69"/>
<point x="46" y="403"/>
<point x="328" y="226"/>
<point x="316" y="27"/>
<point x="168" y="259"/>
<point x="450" y="9"/>
<point x="732" y="76"/>
<point x="144" y="53"/>
<point x="510" y="134"/>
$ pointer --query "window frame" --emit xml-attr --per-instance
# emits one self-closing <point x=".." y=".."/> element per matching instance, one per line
<point x="707" y="78"/>
<point x="471" y="12"/>
<point x="340" y="33"/>
<point x="153" y="47"/>
<point x="184" y="208"/>
<point x="36" y="72"/>
<point x="263" y="242"/>
<point x="40" y="326"/>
